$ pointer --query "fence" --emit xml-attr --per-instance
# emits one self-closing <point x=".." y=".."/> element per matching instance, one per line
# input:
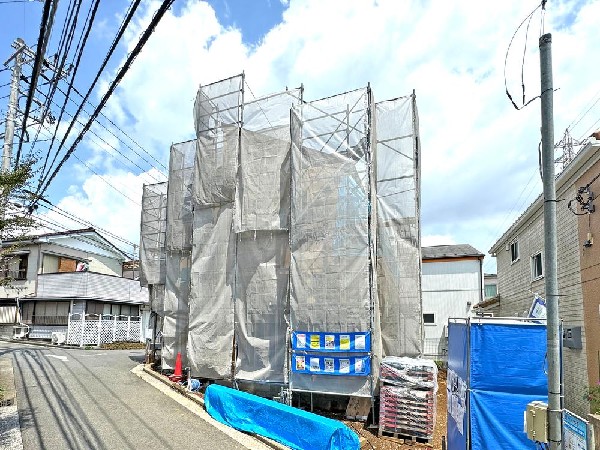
<point x="93" y="329"/>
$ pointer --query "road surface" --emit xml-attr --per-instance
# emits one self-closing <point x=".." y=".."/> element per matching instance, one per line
<point x="89" y="399"/>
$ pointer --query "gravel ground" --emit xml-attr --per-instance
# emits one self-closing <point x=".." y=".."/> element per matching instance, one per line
<point x="370" y="440"/>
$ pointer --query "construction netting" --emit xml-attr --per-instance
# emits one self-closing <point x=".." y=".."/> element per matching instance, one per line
<point x="152" y="234"/>
<point x="292" y="239"/>
<point x="331" y="287"/>
<point x="178" y="252"/>
<point x="398" y="227"/>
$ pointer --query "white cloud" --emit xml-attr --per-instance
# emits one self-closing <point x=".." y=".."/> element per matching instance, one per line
<point x="478" y="153"/>
<point x="437" y="239"/>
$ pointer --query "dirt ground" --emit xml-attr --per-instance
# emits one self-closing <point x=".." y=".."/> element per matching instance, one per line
<point x="370" y="440"/>
<point x="123" y="346"/>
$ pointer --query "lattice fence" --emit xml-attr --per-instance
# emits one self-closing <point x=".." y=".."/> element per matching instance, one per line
<point x="94" y="330"/>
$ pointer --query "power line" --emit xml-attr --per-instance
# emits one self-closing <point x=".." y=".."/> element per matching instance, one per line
<point x="528" y="20"/>
<point x="79" y="51"/>
<point x="45" y="29"/>
<point x="122" y="71"/>
<point x="148" y="174"/>
<point x="81" y="221"/>
<point x="111" y="50"/>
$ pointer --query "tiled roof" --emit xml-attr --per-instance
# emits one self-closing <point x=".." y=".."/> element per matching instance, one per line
<point x="450" y="251"/>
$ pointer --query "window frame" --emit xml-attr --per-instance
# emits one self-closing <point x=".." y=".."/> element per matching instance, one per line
<point x="534" y="275"/>
<point x="429" y="324"/>
<point x="514" y="255"/>
<point x="22" y="264"/>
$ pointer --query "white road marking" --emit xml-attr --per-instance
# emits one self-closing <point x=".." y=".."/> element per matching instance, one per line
<point x="62" y="358"/>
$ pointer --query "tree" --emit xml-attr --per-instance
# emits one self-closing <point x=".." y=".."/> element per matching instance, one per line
<point x="15" y="217"/>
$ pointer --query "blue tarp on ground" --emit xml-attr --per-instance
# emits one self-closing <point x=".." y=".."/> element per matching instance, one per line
<point x="291" y="426"/>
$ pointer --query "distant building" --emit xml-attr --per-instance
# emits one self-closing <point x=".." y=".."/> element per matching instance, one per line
<point x="58" y="275"/>
<point x="451" y="285"/>
<point x="520" y="260"/>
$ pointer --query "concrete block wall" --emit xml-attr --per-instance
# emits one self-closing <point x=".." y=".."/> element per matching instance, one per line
<point x="517" y="288"/>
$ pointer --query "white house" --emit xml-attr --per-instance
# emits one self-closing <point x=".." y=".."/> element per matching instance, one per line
<point x="69" y="276"/>
<point x="452" y="283"/>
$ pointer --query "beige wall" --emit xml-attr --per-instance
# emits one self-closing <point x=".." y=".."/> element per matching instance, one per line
<point x="517" y="289"/>
<point x="590" y="276"/>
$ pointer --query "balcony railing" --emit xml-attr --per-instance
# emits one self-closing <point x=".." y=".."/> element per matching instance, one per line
<point x="90" y="285"/>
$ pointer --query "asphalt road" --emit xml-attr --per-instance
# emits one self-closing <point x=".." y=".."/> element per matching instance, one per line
<point x="89" y="399"/>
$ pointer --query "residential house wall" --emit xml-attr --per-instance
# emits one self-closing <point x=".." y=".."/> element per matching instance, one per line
<point x="450" y="288"/>
<point x="517" y="285"/>
<point x="590" y="273"/>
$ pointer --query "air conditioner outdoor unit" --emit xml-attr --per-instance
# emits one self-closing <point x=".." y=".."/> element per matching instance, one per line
<point x="58" y="337"/>
<point x="20" y="331"/>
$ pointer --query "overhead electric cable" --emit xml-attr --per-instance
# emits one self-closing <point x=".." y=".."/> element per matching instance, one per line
<point x="111" y="50"/>
<point x="122" y="71"/>
<point x="45" y="29"/>
<point x="79" y="51"/>
<point x="104" y="141"/>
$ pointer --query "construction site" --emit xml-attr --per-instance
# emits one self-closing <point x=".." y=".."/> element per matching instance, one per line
<point x="283" y="254"/>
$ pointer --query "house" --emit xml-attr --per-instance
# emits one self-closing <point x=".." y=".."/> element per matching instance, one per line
<point x="451" y="284"/>
<point x="65" y="276"/>
<point x="520" y="260"/>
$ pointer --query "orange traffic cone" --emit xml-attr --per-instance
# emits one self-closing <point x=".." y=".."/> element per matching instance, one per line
<point x="178" y="373"/>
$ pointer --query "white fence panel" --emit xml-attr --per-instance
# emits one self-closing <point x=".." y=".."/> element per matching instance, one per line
<point x="94" y="330"/>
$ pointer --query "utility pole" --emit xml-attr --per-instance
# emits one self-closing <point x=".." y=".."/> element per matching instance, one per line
<point x="550" y="263"/>
<point x="13" y="105"/>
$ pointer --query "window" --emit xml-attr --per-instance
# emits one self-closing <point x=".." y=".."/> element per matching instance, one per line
<point x="491" y="290"/>
<point x="514" y="251"/>
<point x="115" y="309"/>
<point x="15" y="267"/>
<point x="58" y="264"/>
<point x="537" y="267"/>
<point x="429" y="319"/>
<point x="45" y="313"/>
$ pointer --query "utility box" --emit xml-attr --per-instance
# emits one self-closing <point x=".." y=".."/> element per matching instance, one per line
<point x="536" y="421"/>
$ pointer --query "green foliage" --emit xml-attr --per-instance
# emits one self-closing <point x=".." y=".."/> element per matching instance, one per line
<point x="15" y="218"/>
<point x="594" y="398"/>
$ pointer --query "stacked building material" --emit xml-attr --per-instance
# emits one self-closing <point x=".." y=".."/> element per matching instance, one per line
<point x="407" y="397"/>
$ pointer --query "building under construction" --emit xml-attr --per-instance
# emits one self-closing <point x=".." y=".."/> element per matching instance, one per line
<point x="285" y="247"/>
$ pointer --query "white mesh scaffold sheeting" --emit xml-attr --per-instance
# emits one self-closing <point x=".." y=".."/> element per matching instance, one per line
<point x="217" y="114"/>
<point x="263" y="187"/>
<point x="398" y="239"/>
<point x="178" y="252"/>
<point x="262" y="220"/>
<point x="210" y="341"/>
<point x="330" y="237"/>
<point x="152" y="234"/>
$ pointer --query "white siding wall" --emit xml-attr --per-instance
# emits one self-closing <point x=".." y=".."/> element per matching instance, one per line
<point x="450" y="289"/>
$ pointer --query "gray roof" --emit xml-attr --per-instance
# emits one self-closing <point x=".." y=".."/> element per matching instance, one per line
<point x="450" y="251"/>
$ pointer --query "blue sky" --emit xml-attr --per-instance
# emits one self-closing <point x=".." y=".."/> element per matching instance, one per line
<point x="479" y="155"/>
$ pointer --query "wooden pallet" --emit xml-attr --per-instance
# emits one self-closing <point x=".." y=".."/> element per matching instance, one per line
<point x="403" y="439"/>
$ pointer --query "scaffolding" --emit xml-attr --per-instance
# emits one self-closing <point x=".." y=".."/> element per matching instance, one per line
<point x="292" y="244"/>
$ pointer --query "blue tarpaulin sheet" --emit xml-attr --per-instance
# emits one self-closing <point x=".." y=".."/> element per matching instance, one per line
<point x="290" y="426"/>
<point x="497" y="420"/>
<point x="495" y="368"/>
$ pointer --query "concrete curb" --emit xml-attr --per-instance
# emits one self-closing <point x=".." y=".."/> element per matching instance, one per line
<point x="10" y="424"/>
<point x="42" y="344"/>
<point x="199" y="400"/>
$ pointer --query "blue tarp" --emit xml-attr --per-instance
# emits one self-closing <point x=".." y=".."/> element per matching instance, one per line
<point x="497" y="420"/>
<point x="495" y="368"/>
<point x="292" y="427"/>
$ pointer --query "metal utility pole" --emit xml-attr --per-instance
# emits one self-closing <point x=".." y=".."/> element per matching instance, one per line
<point x="13" y="105"/>
<point x="550" y="263"/>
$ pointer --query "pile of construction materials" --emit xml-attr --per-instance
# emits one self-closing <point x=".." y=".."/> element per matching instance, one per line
<point x="407" y="402"/>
